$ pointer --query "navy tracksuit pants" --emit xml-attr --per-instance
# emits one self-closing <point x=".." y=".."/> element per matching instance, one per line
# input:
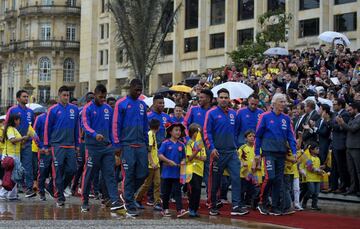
<point x="134" y="162"/>
<point x="99" y="158"/>
<point x="26" y="157"/>
<point x="231" y="162"/>
<point x="64" y="168"/>
<point x="80" y="159"/>
<point x="45" y="162"/>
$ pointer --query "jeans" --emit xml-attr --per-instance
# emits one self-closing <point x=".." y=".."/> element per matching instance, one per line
<point x="195" y="192"/>
<point x="167" y="187"/>
<point x="287" y="191"/>
<point x="313" y="193"/>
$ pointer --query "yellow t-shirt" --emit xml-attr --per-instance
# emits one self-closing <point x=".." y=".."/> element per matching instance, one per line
<point x="247" y="157"/>
<point x="302" y="158"/>
<point x="313" y="163"/>
<point x="289" y="166"/>
<point x="195" y="166"/>
<point x="10" y="148"/>
<point x="1" y="136"/>
<point x="32" y="133"/>
<point x="154" y="149"/>
<point x="273" y="70"/>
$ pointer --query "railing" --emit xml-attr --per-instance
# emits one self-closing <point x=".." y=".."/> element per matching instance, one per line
<point x="10" y="14"/>
<point x="50" y="10"/>
<point x="40" y="44"/>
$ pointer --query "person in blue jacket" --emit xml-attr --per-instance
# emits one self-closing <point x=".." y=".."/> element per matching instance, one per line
<point x="178" y="115"/>
<point x="61" y="136"/>
<point x="96" y="122"/>
<point x="219" y="133"/>
<point x="274" y="135"/>
<point x="130" y="132"/>
<point x="247" y="118"/>
<point x="27" y="118"/>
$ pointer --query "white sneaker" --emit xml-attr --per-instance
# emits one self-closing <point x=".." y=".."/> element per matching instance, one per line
<point x="298" y="208"/>
<point x="67" y="192"/>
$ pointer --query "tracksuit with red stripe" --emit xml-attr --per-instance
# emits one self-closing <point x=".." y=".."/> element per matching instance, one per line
<point x="44" y="160"/>
<point x="97" y="120"/>
<point x="62" y="135"/>
<point x="130" y="131"/>
<point x="219" y="133"/>
<point x="163" y="119"/>
<point x="26" y="156"/>
<point x="273" y="134"/>
<point x="246" y="119"/>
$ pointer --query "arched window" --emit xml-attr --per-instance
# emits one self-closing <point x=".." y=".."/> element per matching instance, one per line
<point x="44" y="69"/>
<point x="11" y="74"/>
<point x="69" y="70"/>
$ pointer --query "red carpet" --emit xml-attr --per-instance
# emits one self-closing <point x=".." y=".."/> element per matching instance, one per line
<point x="304" y="219"/>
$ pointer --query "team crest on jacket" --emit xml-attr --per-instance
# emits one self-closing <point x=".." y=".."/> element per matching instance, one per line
<point x="72" y="115"/>
<point x="106" y="114"/>
<point x="283" y="124"/>
<point x="106" y="111"/>
<point x="164" y="119"/>
<point x="180" y="148"/>
<point x="199" y="114"/>
<point x="232" y="119"/>
<point x="142" y="110"/>
<point x="28" y="116"/>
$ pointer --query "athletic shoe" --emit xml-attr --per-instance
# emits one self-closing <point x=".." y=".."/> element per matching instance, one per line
<point x="60" y="203"/>
<point x="42" y="197"/>
<point x="214" y="212"/>
<point x="298" y="208"/>
<point x="192" y="213"/>
<point x="132" y="212"/>
<point x="275" y="212"/>
<point x="172" y="200"/>
<point x="316" y="208"/>
<point x="166" y="213"/>
<point x="288" y="211"/>
<point x="122" y="198"/>
<point x="106" y="202"/>
<point x="219" y="204"/>
<point x="158" y="207"/>
<point x="67" y="192"/>
<point x="85" y="207"/>
<point x="50" y="193"/>
<point x="150" y="203"/>
<point x="263" y="210"/>
<point x="117" y="205"/>
<point x="139" y="205"/>
<point x="91" y="195"/>
<point x="239" y="211"/>
<point x="30" y="193"/>
<point x="182" y="213"/>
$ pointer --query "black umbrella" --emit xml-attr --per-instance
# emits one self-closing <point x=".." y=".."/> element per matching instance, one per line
<point x="163" y="90"/>
<point x="192" y="81"/>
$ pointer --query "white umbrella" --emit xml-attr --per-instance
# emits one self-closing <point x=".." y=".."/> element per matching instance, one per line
<point x="321" y="100"/>
<point x="168" y="102"/>
<point x="2" y="117"/>
<point x="329" y="36"/>
<point x="237" y="90"/>
<point x="277" y="51"/>
<point x="33" y="106"/>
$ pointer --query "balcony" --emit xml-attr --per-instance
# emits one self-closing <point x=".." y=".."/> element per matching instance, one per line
<point x="50" y="10"/>
<point x="10" y="14"/>
<point x="40" y="45"/>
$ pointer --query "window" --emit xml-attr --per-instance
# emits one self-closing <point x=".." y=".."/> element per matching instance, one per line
<point x="27" y="31"/>
<point x="309" y="4"/>
<point x="338" y="2"/>
<point x="106" y="57"/>
<point x="102" y="31"/>
<point x="71" y="32"/>
<point x="120" y="56"/>
<point x="245" y="9"/>
<point x="69" y="70"/>
<point x="43" y="94"/>
<point x="169" y="10"/>
<point x="47" y="2"/>
<point x="102" y="6"/>
<point x="107" y="30"/>
<point x="11" y="73"/>
<point x="217" y="12"/>
<point x="191" y="44"/>
<point x="13" y="36"/>
<point x="44" y="69"/>
<point x="45" y="32"/>
<point x="309" y="27"/>
<point x="345" y="22"/>
<point x="245" y="35"/>
<point x="101" y="57"/>
<point x="27" y="70"/>
<point x="71" y="2"/>
<point x="3" y="6"/>
<point x="167" y="48"/>
<point x="191" y="14"/>
<point x="274" y="5"/>
<point x="2" y="37"/>
<point x="13" y="5"/>
<point x="217" y="40"/>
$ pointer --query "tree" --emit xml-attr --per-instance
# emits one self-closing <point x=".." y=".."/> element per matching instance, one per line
<point x="142" y="26"/>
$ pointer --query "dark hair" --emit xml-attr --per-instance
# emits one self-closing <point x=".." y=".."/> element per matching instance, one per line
<point x="10" y="122"/>
<point x="73" y="99"/>
<point x="154" y="124"/>
<point x="310" y="104"/>
<point x="135" y="82"/>
<point x="208" y="93"/>
<point x="52" y="102"/>
<point x="193" y="128"/>
<point x="301" y="105"/>
<point x="178" y="105"/>
<point x="110" y="99"/>
<point x="326" y="108"/>
<point x="341" y="102"/>
<point x="254" y="96"/>
<point x="63" y="88"/>
<point x="100" y="88"/>
<point x="223" y="90"/>
<point x="158" y="96"/>
<point x="19" y="93"/>
<point x="312" y="145"/>
<point x="355" y="105"/>
<point x="87" y="96"/>
<point x="248" y="132"/>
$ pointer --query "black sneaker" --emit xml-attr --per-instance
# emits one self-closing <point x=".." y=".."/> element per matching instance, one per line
<point x="139" y="205"/>
<point x="51" y="193"/>
<point x="132" y="212"/>
<point x="214" y="212"/>
<point x="275" y="212"/>
<point x="219" y="204"/>
<point x="239" y="211"/>
<point x="288" y="211"/>
<point x="106" y="202"/>
<point x="263" y="210"/>
<point x="60" y="203"/>
<point x="85" y="207"/>
<point x="30" y="193"/>
<point x="42" y="197"/>
<point x="316" y="208"/>
<point x="117" y="205"/>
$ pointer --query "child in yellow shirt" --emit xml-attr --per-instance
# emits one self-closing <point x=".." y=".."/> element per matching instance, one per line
<point x="195" y="157"/>
<point x="313" y="177"/>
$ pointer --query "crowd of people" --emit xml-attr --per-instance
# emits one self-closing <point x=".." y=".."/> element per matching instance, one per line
<point x="296" y="135"/>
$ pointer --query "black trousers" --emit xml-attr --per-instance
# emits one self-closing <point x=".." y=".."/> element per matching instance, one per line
<point x="167" y="188"/>
<point x="194" y="192"/>
<point x="341" y="165"/>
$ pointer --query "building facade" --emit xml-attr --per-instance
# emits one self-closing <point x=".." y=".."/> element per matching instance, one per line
<point x="204" y="32"/>
<point x="40" y="45"/>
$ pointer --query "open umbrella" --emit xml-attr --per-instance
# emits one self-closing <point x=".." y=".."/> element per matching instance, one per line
<point x="329" y="36"/>
<point x="168" y="102"/>
<point x="2" y="117"/>
<point x="237" y="90"/>
<point x="276" y="51"/>
<point x="320" y="100"/>
<point x="163" y="90"/>
<point x="181" y="88"/>
<point x="33" y="106"/>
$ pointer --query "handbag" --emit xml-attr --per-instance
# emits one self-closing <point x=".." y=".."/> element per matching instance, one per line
<point x="8" y="166"/>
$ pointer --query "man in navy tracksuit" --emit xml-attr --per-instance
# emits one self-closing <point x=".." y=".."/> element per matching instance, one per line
<point x="274" y="133"/>
<point x="247" y="118"/>
<point x="219" y="136"/>
<point x="61" y="134"/>
<point x="130" y="131"/>
<point x="26" y="118"/>
<point x="97" y="124"/>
